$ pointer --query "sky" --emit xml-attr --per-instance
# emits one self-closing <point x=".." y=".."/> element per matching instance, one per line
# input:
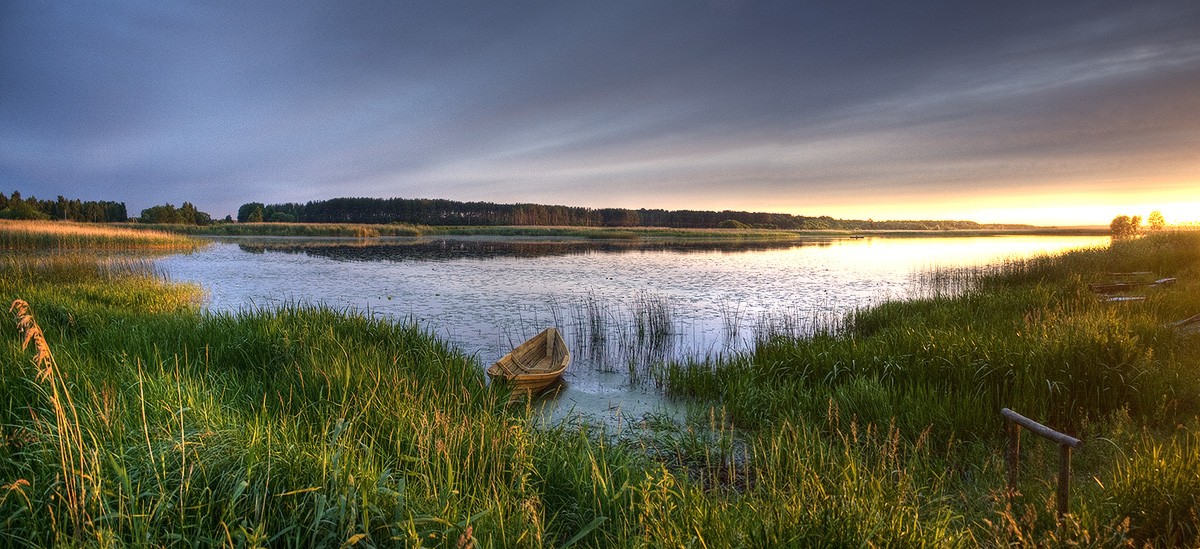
<point x="1052" y="113"/>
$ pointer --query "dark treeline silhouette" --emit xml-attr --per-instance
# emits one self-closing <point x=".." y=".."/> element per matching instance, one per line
<point x="422" y="211"/>
<point x="16" y="207"/>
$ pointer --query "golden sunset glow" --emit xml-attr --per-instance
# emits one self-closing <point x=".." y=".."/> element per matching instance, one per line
<point x="1179" y="204"/>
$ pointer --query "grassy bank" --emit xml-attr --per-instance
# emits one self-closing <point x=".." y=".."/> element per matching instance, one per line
<point x="1029" y="335"/>
<point x="148" y="423"/>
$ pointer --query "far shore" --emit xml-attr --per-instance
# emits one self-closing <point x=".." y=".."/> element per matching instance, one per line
<point x="351" y="230"/>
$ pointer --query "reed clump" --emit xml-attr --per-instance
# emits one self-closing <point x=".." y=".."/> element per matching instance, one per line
<point x="31" y="236"/>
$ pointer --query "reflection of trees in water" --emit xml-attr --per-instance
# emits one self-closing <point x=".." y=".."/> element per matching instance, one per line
<point x="449" y="249"/>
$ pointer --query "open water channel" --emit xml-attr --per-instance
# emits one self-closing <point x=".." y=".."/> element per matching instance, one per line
<point x="623" y="307"/>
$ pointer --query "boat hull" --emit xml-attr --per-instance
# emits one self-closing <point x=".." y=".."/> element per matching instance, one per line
<point x="532" y="366"/>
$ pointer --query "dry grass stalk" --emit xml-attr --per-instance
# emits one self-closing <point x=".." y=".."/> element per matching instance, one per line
<point x="42" y="358"/>
<point x="70" y="438"/>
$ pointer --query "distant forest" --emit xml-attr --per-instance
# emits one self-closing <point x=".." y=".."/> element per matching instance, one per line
<point x="450" y="212"/>
<point x="421" y="211"/>
<point x="16" y="207"/>
<point x="65" y="209"/>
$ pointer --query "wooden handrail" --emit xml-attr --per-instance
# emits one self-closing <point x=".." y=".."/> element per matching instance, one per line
<point x="1041" y="430"/>
<point x="1012" y="453"/>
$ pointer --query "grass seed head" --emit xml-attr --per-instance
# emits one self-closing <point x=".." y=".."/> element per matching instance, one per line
<point x="33" y="334"/>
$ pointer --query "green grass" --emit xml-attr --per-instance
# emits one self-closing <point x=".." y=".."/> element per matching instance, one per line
<point x="1158" y="485"/>
<point x="303" y="426"/>
<point x="1028" y="335"/>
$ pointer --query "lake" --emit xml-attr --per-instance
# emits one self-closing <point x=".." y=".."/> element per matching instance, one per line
<point x="623" y="307"/>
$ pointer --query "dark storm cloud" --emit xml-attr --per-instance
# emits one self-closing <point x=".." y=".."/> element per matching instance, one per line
<point x="727" y="104"/>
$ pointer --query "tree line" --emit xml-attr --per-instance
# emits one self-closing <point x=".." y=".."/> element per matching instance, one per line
<point x="101" y="211"/>
<point x="17" y="207"/>
<point x="420" y="211"/>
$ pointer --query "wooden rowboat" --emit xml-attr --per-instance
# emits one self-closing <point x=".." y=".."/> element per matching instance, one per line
<point x="535" y="364"/>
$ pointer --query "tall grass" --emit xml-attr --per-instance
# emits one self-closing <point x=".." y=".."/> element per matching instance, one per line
<point x="302" y="426"/>
<point x="224" y="428"/>
<point x="1027" y="335"/>
<point x="72" y="487"/>
<point x="1158" y="487"/>
<point x="64" y="235"/>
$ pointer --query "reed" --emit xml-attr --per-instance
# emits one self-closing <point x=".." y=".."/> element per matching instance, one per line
<point x="63" y="235"/>
<point x="74" y="463"/>
<point x="1158" y="487"/>
<point x="653" y="317"/>
<point x="341" y="445"/>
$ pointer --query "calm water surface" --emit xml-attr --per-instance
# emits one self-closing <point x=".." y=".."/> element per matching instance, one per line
<point x="622" y="307"/>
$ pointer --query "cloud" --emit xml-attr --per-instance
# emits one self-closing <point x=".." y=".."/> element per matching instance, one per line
<point x="661" y="104"/>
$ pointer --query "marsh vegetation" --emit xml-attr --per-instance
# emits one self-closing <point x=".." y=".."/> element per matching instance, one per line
<point x="149" y="422"/>
<point x="59" y="236"/>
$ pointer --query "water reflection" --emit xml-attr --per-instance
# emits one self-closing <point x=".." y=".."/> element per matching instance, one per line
<point x="454" y="248"/>
<point x="625" y="307"/>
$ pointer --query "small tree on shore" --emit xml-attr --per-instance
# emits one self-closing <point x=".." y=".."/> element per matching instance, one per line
<point x="1156" y="221"/>
<point x="1124" y="226"/>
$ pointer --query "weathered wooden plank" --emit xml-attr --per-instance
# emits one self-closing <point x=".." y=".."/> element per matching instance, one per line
<point x="1041" y="430"/>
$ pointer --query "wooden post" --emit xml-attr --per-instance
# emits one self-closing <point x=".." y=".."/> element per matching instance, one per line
<point x="1064" y="478"/>
<point x="1012" y="454"/>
